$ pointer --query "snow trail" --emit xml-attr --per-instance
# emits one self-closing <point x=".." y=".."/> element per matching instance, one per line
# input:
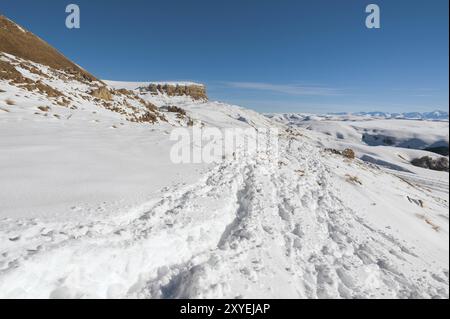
<point x="276" y="224"/>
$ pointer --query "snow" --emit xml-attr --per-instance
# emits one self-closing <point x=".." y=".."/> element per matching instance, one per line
<point x="400" y="133"/>
<point x="80" y="163"/>
<point x="92" y="211"/>
<point x="392" y="143"/>
<point x="426" y="116"/>
<point x="433" y="115"/>
<point x="416" y="134"/>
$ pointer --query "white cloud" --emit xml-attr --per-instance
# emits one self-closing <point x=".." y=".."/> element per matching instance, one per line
<point x="291" y="89"/>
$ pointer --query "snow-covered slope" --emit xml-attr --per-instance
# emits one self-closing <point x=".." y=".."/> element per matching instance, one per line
<point x="92" y="207"/>
<point x="392" y="143"/>
<point x="306" y="224"/>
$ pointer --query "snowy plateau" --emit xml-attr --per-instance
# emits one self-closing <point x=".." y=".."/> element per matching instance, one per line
<point x="91" y="206"/>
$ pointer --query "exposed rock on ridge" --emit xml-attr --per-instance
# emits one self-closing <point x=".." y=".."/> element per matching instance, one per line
<point x="196" y="91"/>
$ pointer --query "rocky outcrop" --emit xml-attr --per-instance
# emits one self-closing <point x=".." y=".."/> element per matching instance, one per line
<point x="196" y="91"/>
<point x="102" y="93"/>
<point x="440" y="164"/>
<point x="9" y="73"/>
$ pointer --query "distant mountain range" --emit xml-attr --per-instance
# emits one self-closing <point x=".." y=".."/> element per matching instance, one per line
<point x="434" y="115"/>
<point x="345" y="116"/>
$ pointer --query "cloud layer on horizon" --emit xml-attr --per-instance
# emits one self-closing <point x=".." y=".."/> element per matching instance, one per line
<point x="290" y="89"/>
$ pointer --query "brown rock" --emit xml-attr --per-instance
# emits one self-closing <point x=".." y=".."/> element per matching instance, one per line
<point x="102" y="93"/>
<point x="349" y="153"/>
<point x="197" y="92"/>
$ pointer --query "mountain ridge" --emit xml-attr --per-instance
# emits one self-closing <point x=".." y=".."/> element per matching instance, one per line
<point x="18" y="41"/>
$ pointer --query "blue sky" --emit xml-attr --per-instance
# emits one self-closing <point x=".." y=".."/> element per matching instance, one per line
<point x="273" y="56"/>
